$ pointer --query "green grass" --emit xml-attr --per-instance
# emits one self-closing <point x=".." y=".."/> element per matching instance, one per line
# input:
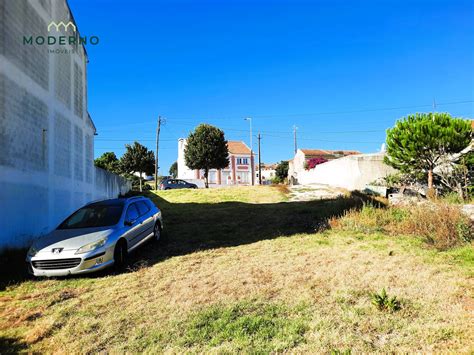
<point x="259" y="326"/>
<point x="243" y="270"/>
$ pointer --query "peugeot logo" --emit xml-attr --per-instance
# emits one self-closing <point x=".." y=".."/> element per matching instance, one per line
<point x="57" y="250"/>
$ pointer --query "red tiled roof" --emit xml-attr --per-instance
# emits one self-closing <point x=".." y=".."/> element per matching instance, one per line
<point x="269" y="166"/>
<point x="237" y="147"/>
<point x="321" y="152"/>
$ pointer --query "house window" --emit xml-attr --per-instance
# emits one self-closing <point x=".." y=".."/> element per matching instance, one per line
<point x="242" y="161"/>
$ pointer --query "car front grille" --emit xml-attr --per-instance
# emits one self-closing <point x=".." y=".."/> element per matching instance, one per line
<point x="56" y="264"/>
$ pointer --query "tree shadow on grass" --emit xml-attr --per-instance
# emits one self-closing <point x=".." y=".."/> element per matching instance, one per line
<point x="11" y="345"/>
<point x="191" y="227"/>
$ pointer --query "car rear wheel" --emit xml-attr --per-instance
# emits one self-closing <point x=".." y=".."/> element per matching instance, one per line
<point x="157" y="232"/>
<point x="120" y="254"/>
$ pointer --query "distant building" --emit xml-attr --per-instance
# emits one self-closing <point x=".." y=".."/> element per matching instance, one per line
<point x="346" y="169"/>
<point x="237" y="173"/>
<point x="46" y="134"/>
<point x="268" y="173"/>
<point x="297" y="165"/>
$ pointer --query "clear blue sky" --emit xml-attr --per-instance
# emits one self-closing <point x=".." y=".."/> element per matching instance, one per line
<point x="328" y="67"/>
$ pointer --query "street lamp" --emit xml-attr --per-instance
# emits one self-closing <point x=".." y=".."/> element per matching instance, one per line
<point x="251" y="150"/>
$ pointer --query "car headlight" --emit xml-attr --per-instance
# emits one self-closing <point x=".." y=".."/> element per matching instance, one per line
<point x="32" y="251"/>
<point x="91" y="246"/>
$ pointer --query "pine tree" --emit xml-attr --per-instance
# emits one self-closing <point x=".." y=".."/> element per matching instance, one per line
<point x="417" y="143"/>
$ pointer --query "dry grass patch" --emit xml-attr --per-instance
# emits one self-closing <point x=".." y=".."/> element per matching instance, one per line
<point x="248" y="194"/>
<point x="441" y="225"/>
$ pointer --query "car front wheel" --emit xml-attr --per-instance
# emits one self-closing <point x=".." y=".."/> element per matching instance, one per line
<point x="157" y="232"/>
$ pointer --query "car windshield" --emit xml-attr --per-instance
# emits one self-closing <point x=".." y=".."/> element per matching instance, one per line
<point x="93" y="216"/>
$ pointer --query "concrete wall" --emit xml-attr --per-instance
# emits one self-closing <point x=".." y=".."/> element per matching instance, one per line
<point x="46" y="134"/>
<point x="353" y="172"/>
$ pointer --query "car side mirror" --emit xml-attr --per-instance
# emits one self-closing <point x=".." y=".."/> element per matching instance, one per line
<point x="128" y="223"/>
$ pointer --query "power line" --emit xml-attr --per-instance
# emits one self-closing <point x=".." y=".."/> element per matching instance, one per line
<point x="174" y="119"/>
<point x="339" y="112"/>
<point x="129" y="140"/>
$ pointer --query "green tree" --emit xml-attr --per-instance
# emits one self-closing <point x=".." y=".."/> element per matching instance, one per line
<point x="281" y="171"/>
<point x="108" y="161"/>
<point x="206" y="149"/>
<point x="417" y="143"/>
<point x="138" y="158"/>
<point x="174" y="169"/>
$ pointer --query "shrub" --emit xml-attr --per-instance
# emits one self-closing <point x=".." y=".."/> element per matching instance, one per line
<point x="441" y="225"/>
<point x="311" y="163"/>
<point x="385" y="303"/>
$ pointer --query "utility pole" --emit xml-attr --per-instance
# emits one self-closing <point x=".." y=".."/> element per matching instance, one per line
<point x="252" y="180"/>
<point x="259" y="162"/>
<point x="158" y="127"/>
<point x="294" y="137"/>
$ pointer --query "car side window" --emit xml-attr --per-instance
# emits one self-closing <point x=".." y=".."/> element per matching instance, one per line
<point x="132" y="213"/>
<point x="150" y="204"/>
<point x="142" y="207"/>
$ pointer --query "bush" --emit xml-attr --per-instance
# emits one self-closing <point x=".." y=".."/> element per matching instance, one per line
<point x="311" y="163"/>
<point x="441" y="225"/>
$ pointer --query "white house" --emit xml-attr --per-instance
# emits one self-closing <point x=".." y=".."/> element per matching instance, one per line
<point x="237" y="173"/>
<point x="268" y="173"/>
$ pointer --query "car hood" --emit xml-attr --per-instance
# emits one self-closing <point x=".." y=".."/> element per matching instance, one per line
<point x="71" y="239"/>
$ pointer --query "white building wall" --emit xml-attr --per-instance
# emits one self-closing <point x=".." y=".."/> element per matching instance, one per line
<point x="46" y="135"/>
<point x="183" y="171"/>
<point x="352" y="172"/>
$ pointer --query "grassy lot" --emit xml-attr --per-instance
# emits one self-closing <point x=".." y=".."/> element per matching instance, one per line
<point x="244" y="270"/>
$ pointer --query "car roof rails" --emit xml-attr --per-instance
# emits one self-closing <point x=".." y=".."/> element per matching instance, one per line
<point x="135" y="197"/>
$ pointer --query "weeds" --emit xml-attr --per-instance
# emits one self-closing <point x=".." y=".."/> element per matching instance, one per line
<point x="385" y="303"/>
<point x="441" y="225"/>
<point x="341" y="352"/>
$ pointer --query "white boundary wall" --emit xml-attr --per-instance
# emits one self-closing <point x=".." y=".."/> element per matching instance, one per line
<point x="353" y="172"/>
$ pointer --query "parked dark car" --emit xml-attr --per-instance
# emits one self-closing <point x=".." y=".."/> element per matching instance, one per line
<point x="169" y="184"/>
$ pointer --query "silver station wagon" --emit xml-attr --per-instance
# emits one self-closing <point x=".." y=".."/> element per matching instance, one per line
<point x="96" y="236"/>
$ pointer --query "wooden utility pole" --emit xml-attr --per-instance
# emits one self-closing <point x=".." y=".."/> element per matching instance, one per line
<point x="294" y="137"/>
<point x="259" y="162"/>
<point x="158" y="127"/>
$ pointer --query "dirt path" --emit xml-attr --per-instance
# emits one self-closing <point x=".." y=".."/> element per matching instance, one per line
<point x="314" y="192"/>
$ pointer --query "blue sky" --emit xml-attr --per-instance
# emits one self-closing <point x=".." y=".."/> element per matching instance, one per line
<point x="341" y="71"/>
